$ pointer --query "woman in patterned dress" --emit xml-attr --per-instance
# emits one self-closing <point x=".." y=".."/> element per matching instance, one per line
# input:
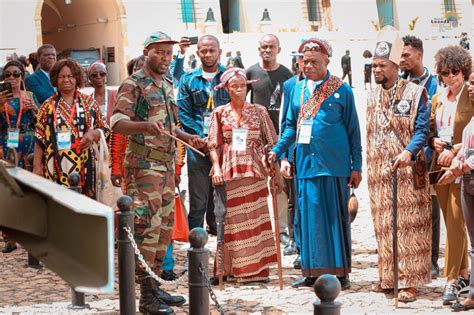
<point x="238" y="133"/>
<point x="17" y="114"/>
<point x="68" y="124"/>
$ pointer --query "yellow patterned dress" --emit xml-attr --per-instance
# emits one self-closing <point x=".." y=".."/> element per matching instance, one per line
<point x="56" y="114"/>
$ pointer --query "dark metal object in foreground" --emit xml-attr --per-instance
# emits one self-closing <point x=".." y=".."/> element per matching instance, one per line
<point x="32" y="261"/>
<point x="395" y="234"/>
<point x="126" y="258"/>
<point x="327" y="288"/>
<point x="198" y="258"/>
<point x="78" y="300"/>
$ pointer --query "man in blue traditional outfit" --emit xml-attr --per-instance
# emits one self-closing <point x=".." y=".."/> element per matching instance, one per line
<point x="287" y="159"/>
<point x="322" y="119"/>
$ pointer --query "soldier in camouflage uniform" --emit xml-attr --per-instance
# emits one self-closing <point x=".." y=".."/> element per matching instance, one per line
<point x="146" y="105"/>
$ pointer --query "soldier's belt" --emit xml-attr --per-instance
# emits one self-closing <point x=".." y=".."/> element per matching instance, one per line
<point x="150" y="153"/>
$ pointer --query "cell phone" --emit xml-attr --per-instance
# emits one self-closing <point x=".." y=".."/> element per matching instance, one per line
<point x="435" y="176"/>
<point x="6" y="86"/>
<point x="193" y="40"/>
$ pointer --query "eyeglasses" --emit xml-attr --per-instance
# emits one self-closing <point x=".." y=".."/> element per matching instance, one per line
<point x="66" y="77"/>
<point x="446" y="73"/>
<point x="100" y="74"/>
<point x="7" y="75"/>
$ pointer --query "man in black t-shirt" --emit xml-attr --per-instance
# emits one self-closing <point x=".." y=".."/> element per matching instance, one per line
<point x="270" y="74"/>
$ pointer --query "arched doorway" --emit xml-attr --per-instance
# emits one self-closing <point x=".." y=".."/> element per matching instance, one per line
<point x="86" y="24"/>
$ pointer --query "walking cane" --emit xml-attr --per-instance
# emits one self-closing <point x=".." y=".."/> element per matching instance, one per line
<point x="395" y="234"/>
<point x="220" y="201"/>
<point x="275" y="218"/>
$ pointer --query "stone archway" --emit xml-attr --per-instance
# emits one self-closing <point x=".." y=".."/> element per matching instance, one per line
<point x="84" y="24"/>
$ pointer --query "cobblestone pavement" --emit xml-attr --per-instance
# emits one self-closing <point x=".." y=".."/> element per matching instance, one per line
<point x="28" y="291"/>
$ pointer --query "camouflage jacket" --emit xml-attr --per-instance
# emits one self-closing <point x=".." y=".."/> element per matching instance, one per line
<point x="140" y="98"/>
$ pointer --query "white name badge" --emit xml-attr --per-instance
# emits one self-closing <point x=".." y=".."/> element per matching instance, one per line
<point x="13" y="138"/>
<point x="206" y="122"/>
<point x="305" y="132"/>
<point x="64" y="140"/>
<point x="239" y="139"/>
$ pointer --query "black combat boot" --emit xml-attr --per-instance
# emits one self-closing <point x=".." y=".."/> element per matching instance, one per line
<point x="149" y="302"/>
<point x="171" y="300"/>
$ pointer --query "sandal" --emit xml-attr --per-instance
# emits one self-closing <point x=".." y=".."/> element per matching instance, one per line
<point x="459" y="307"/>
<point x="377" y="287"/>
<point x="407" y="295"/>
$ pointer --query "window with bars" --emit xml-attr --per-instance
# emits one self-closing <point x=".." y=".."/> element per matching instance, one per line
<point x="385" y="12"/>
<point x="187" y="11"/>
<point x="449" y="6"/>
<point x="314" y="10"/>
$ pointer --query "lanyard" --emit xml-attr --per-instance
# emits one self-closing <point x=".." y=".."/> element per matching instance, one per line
<point x="71" y="116"/>
<point x="210" y="100"/>
<point x="106" y="104"/>
<point x="19" y="114"/>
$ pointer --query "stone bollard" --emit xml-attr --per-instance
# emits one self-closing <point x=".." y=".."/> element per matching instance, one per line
<point x="126" y="257"/>
<point x="198" y="256"/>
<point x="78" y="300"/>
<point x="327" y="288"/>
<point x="32" y="261"/>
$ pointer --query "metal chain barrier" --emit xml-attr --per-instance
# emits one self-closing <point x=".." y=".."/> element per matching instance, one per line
<point x="211" y="292"/>
<point x="181" y="279"/>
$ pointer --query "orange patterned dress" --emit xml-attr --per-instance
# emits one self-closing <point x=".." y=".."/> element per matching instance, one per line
<point x="249" y="246"/>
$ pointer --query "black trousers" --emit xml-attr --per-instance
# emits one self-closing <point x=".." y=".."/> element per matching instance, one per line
<point x="348" y="73"/>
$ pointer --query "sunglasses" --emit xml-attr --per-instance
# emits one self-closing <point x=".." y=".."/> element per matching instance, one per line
<point x="96" y="75"/>
<point x="7" y="75"/>
<point x="447" y="72"/>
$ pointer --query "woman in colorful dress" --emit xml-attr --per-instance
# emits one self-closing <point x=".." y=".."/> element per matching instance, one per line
<point x="68" y="124"/>
<point x="17" y="122"/>
<point x="238" y="133"/>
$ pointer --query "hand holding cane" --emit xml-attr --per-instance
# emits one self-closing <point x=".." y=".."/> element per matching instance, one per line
<point x="273" y="191"/>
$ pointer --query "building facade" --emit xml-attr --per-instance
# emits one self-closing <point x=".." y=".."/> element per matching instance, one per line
<point x="117" y="28"/>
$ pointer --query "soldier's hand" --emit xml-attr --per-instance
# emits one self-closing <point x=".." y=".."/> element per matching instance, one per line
<point x="356" y="178"/>
<point x="402" y="160"/>
<point x="153" y="128"/>
<point x="116" y="180"/>
<point x="285" y="168"/>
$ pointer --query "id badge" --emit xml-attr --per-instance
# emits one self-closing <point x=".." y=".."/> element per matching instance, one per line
<point x="13" y="138"/>
<point x="206" y="122"/>
<point x="305" y="132"/>
<point x="239" y="139"/>
<point x="64" y="140"/>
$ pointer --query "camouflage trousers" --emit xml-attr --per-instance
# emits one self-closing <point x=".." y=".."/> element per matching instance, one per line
<point x="153" y="206"/>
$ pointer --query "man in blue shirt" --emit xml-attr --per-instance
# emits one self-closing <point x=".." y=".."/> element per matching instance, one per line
<point x="287" y="159"/>
<point x="322" y="119"/>
<point x="411" y="65"/>
<point x="38" y="82"/>
<point x="196" y="100"/>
